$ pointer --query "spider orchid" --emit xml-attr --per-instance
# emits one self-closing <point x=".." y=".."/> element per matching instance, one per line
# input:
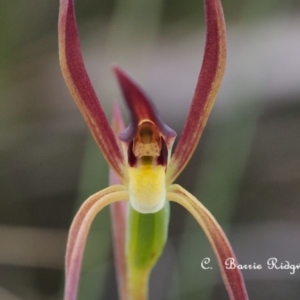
<point x="141" y="159"/>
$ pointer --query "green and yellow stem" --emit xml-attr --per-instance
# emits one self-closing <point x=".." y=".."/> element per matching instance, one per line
<point x="146" y="238"/>
<point x="138" y="284"/>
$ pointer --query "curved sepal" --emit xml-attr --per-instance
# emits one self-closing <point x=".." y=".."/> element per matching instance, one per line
<point x="141" y="108"/>
<point x="78" y="236"/>
<point x="81" y="89"/>
<point x="232" y="278"/>
<point x="207" y="87"/>
<point x="78" y="219"/>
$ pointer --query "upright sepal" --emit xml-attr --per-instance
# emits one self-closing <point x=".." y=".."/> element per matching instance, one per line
<point x="141" y="109"/>
<point x="79" y="84"/>
<point x="207" y="87"/>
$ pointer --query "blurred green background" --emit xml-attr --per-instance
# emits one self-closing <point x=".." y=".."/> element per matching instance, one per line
<point x="246" y="169"/>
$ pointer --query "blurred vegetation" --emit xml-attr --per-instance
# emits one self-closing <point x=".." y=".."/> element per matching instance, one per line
<point x="245" y="170"/>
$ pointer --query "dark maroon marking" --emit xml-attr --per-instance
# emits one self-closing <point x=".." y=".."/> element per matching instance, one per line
<point x="162" y="159"/>
<point x="131" y="157"/>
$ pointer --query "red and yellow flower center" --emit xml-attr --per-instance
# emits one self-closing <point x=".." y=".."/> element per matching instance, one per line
<point x="147" y="158"/>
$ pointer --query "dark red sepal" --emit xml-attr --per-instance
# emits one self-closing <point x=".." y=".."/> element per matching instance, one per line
<point x="141" y="109"/>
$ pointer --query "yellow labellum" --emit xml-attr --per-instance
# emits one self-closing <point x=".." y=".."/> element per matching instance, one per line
<point x="147" y="189"/>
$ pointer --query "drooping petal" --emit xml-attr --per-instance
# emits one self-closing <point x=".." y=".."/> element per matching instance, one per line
<point x="119" y="217"/>
<point x="207" y="87"/>
<point x="78" y="236"/>
<point x="78" y="219"/>
<point x="118" y="212"/>
<point x="141" y="108"/>
<point x="232" y="278"/>
<point x="80" y="86"/>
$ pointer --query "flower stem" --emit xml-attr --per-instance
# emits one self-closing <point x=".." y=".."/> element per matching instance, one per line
<point x="146" y="237"/>
<point x="138" y="284"/>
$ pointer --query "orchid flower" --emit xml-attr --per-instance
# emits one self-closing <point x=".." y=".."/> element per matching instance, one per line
<point x="141" y="158"/>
